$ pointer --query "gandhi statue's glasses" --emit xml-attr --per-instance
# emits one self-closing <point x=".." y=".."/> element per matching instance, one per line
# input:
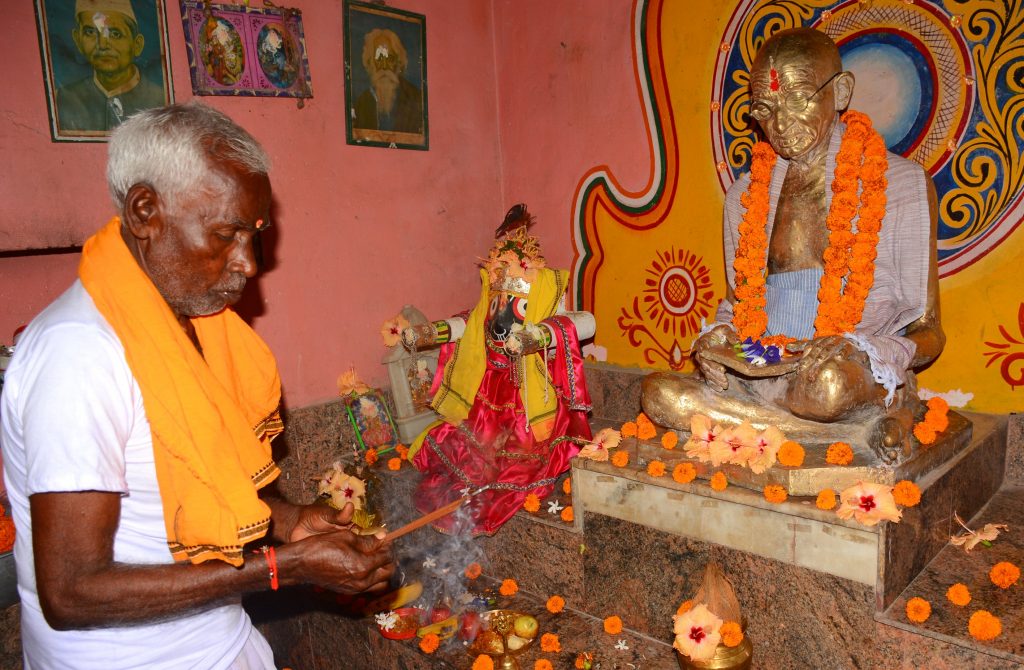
<point x="795" y="102"/>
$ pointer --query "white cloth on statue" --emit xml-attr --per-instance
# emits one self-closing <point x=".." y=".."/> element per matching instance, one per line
<point x="73" y="420"/>
<point x="900" y="291"/>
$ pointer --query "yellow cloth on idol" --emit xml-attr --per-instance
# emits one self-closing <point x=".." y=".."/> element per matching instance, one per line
<point x="465" y="368"/>
<point x="211" y="419"/>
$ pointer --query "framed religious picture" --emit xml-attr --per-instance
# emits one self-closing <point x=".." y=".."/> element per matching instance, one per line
<point x="242" y="50"/>
<point x="371" y="420"/>
<point x="103" y="60"/>
<point x="385" y="77"/>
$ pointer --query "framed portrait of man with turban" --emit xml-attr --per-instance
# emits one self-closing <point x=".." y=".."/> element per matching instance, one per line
<point x="103" y="60"/>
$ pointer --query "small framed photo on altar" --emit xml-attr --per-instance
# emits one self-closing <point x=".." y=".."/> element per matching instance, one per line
<point x="385" y="77"/>
<point x="103" y="60"/>
<point x="242" y="50"/>
<point x="371" y="419"/>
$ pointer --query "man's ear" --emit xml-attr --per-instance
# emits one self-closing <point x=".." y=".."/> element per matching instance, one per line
<point x="843" y="90"/>
<point x="142" y="213"/>
<point x="138" y="45"/>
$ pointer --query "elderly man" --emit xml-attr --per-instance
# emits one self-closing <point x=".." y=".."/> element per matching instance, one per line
<point x="130" y="454"/>
<point x="829" y="241"/>
<point x="107" y="34"/>
<point x="392" y="102"/>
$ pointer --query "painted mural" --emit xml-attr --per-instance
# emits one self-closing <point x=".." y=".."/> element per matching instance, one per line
<point x="943" y="82"/>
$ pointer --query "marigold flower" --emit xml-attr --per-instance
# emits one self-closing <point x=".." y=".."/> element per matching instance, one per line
<point x="656" y="469"/>
<point x="613" y="625"/>
<point x="532" y="503"/>
<point x="718" y="481"/>
<point x="684" y="607"/>
<point x="924" y="433"/>
<point x="839" y="453"/>
<point x="918" y="610"/>
<point x="731" y="634"/>
<point x="983" y="626"/>
<point x="1004" y="574"/>
<point x="629" y="429"/>
<point x="371" y="456"/>
<point x="508" y="587"/>
<point x="542" y="664"/>
<point x="620" y="459"/>
<point x="958" y="594"/>
<point x="402" y="451"/>
<point x="583" y="660"/>
<point x="938" y="404"/>
<point x="394" y="463"/>
<point x="567" y="486"/>
<point x="473" y="570"/>
<point x="567" y="514"/>
<point x="826" y="499"/>
<point x="555" y="604"/>
<point x="906" y="493"/>
<point x="429" y="643"/>
<point x="670" y="439"/>
<point x="684" y="473"/>
<point x="791" y="454"/>
<point x="645" y="431"/>
<point x="483" y="662"/>
<point x="774" y="493"/>
<point x="869" y="503"/>
<point x="549" y="643"/>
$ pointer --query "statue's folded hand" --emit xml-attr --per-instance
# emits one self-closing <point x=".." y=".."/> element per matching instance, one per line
<point x="713" y="373"/>
<point x="821" y="351"/>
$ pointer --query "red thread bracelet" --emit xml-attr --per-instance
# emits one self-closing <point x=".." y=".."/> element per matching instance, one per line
<point x="271" y="565"/>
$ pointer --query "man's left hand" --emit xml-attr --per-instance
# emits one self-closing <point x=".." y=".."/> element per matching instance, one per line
<point x="317" y="519"/>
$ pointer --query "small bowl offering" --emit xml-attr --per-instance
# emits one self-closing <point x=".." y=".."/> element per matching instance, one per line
<point x="503" y="635"/>
<point x="400" y="624"/>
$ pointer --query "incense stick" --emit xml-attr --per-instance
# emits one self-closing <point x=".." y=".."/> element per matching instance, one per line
<point x="425" y="519"/>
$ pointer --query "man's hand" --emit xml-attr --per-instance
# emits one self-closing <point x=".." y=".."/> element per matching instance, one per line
<point x="339" y="561"/>
<point x="714" y="373"/>
<point x="316" y="519"/>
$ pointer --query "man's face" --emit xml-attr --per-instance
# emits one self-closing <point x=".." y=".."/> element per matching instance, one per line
<point x="202" y="253"/>
<point x="106" y="39"/>
<point x="779" y="88"/>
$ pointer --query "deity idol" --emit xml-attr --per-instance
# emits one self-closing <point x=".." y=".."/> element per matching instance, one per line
<point x="830" y="252"/>
<point x="509" y="386"/>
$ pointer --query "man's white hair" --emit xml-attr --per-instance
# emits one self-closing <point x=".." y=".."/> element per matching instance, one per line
<point x="168" y="149"/>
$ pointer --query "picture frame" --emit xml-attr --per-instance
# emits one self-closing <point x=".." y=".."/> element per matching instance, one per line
<point x="371" y="419"/>
<point x="385" y="69"/>
<point x="103" y="60"/>
<point x="246" y="51"/>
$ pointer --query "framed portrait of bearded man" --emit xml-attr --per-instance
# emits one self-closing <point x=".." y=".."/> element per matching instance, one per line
<point x="103" y="60"/>
<point x="385" y="77"/>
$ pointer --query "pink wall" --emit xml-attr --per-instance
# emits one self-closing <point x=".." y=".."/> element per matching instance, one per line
<point x="361" y="231"/>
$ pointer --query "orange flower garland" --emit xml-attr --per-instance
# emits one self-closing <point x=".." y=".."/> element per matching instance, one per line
<point x="508" y="587"/>
<point x="918" y="610"/>
<point x="774" y="493"/>
<point x="983" y="626"/>
<point x="656" y="469"/>
<point x="935" y="421"/>
<point x="684" y="473"/>
<point x="791" y="454"/>
<point x="839" y="453"/>
<point x="555" y="604"/>
<point x="1004" y="575"/>
<point x="906" y="493"/>
<point x="959" y="595"/>
<point x="613" y="625"/>
<point x="731" y="634"/>
<point x="861" y="165"/>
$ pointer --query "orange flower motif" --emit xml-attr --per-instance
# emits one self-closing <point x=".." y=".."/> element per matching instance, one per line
<point x="473" y="570"/>
<point x="906" y="493"/>
<point x="718" y="481"/>
<point x="656" y="469"/>
<point x="959" y="595"/>
<point x="620" y="459"/>
<point x="549" y="643"/>
<point x="839" y="453"/>
<point x="670" y="439"/>
<point x="918" y="610"/>
<point x="508" y="587"/>
<point x="731" y="634"/>
<point x="371" y="456"/>
<point x="791" y="454"/>
<point x="774" y="493"/>
<point x="555" y="604"/>
<point x="684" y="473"/>
<point x="629" y="429"/>
<point x="567" y="514"/>
<point x="826" y="499"/>
<point x="869" y="503"/>
<point x="532" y="503"/>
<point x="542" y="664"/>
<point x="684" y="607"/>
<point x="983" y="626"/>
<point x="1004" y="574"/>
<point x="483" y="662"/>
<point x="394" y="463"/>
<point x="613" y="625"/>
<point x="430" y="643"/>
<point x="567" y="486"/>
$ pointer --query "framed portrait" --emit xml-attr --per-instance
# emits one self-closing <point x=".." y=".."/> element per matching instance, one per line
<point x="371" y="419"/>
<point x="385" y="77"/>
<point x="241" y="50"/>
<point x="103" y="60"/>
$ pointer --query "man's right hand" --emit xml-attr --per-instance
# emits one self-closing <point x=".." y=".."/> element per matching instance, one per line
<point x="339" y="561"/>
<point x="714" y="373"/>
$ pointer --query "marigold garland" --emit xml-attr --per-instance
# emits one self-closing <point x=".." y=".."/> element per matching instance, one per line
<point x="532" y="503"/>
<point x="483" y="662"/>
<point x="718" y="481"/>
<point x="984" y="626"/>
<point x="959" y="595"/>
<point x="684" y="473"/>
<point x="1004" y="574"/>
<point x="791" y="454"/>
<point x="620" y="459"/>
<point x="549" y="643"/>
<point x="849" y="260"/>
<point x="839" y="453"/>
<point x="473" y="570"/>
<point x="371" y="456"/>
<point x="906" y="493"/>
<point x="774" y="493"/>
<point x="731" y="634"/>
<point x="567" y="514"/>
<point x="542" y="664"/>
<point x="555" y="604"/>
<point x="394" y="463"/>
<point x="628" y="429"/>
<point x="656" y="469"/>
<point x="508" y="587"/>
<point x="613" y="625"/>
<point x="429" y="643"/>
<point x="670" y="439"/>
<point x="918" y="610"/>
<point x="567" y="486"/>
<point x="826" y="499"/>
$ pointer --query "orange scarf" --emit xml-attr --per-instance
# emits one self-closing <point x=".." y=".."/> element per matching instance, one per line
<point x="212" y="419"/>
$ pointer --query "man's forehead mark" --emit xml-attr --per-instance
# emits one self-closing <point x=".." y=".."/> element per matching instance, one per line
<point x="773" y="74"/>
<point x="259" y="224"/>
